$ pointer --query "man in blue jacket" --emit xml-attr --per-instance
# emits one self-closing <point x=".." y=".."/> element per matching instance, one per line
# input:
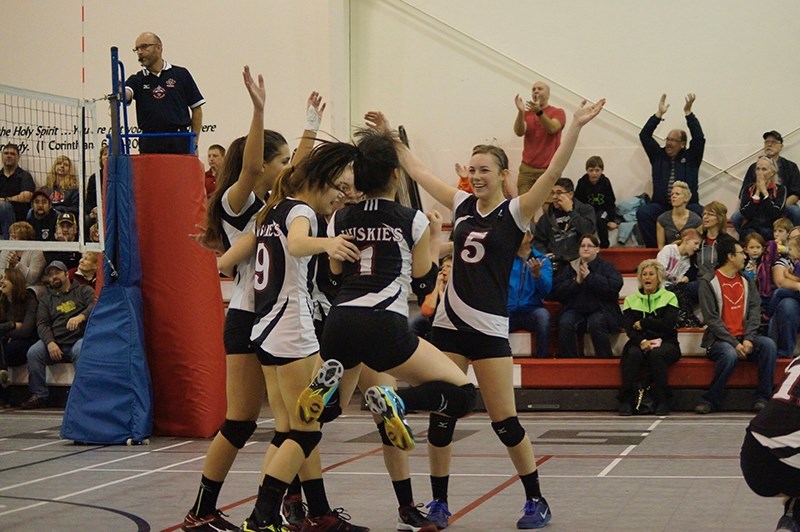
<point x="531" y="280"/>
<point x="673" y="162"/>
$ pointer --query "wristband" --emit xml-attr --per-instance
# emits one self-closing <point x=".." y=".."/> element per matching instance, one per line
<point x="313" y="119"/>
<point x="539" y="112"/>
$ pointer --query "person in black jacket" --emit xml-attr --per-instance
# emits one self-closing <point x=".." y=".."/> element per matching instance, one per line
<point x="558" y="230"/>
<point x="595" y="189"/>
<point x="651" y="316"/>
<point x="17" y="323"/>
<point x="588" y="287"/>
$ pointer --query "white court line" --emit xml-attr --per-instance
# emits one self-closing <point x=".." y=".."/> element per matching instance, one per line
<point x="87" y="468"/>
<point x="33" y="447"/>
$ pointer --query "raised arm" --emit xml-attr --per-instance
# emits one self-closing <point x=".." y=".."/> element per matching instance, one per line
<point x="533" y="199"/>
<point x="253" y="156"/>
<point x="441" y="191"/>
<point x="314" y="110"/>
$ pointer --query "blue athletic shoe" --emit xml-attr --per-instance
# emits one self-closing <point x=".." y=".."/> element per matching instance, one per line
<point x="313" y="399"/>
<point x="438" y="513"/>
<point x="537" y="514"/>
<point x="382" y="401"/>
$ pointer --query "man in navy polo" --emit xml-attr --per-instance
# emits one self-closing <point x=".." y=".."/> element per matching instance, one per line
<point x="165" y="96"/>
<point x="16" y="189"/>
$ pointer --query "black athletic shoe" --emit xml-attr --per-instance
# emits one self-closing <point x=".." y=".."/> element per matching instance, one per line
<point x="411" y="519"/>
<point x="294" y="512"/>
<point x="334" y="521"/>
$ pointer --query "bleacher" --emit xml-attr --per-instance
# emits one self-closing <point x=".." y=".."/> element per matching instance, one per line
<point x="585" y="383"/>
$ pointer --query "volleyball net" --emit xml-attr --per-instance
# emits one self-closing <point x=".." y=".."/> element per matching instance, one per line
<point x="48" y="129"/>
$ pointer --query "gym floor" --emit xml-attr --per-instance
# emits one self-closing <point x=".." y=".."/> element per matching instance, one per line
<point x="598" y="472"/>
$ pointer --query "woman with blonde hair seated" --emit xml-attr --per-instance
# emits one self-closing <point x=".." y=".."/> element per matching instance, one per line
<point x="30" y="262"/>
<point x="62" y="185"/>
<point x="651" y="315"/>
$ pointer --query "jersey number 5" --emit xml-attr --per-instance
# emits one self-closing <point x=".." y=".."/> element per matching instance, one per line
<point x="473" y="247"/>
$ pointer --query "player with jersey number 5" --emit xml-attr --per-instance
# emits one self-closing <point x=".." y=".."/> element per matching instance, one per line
<point x="471" y="324"/>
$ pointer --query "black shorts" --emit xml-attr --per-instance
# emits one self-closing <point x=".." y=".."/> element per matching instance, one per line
<point x="238" y="326"/>
<point x="380" y="339"/>
<point x="765" y="473"/>
<point x="472" y="345"/>
<point x="268" y="359"/>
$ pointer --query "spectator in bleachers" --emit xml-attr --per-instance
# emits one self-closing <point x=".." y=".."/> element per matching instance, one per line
<point x="60" y="322"/>
<point x="42" y="217"/>
<point x="86" y="271"/>
<point x="680" y="277"/>
<point x="29" y="262"/>
<point x="732" y="312"/>
<point x="540" y="124"/>
<point x="588" y="287"/>
<point x="650" y="316"/>
<point x="754" y="247"/>
<point x="216" y="156"/>
<point x="94" y="233"/>
<point x="773" y="250"/>
<point x="784" y="303"/>
<point x="16" y="189"/>
<point x="763" y="202"/>
<point x="558" y="230"/>
<point x="421" y="323"/>
<point x="788" y="175"/>
<point x="90" y="199"/>
<point x="17" y="323"/>
<point x="673" y="162"/>
<point x="595" y="189"/>
<point x="671" y="223"/>
<point x="66" y="231"/>
<point x="530" y="282"/>
<point x="62" y="185"/>
<point x="715" y="217"/>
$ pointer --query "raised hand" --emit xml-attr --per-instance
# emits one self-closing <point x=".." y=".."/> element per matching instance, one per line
<point x="314" y="109"/>
<point x="461" y="171"/>
<point x="586" y="113"/>
<point x="520" y="103"/>
<point x="535" y="266"/>
<point x="663" y="106"/>
<point x="435" y="220"/>
<point x="377" y="121"/>
<point x="533" y="105"/>
<point x="258" y="94"/>
<point x="687" y="107"/>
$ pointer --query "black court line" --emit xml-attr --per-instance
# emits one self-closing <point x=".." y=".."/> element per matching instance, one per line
<point x="51" y="459"/>
<point x="142" y="525"/>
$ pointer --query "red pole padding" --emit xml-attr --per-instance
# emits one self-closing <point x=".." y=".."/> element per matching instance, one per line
<point x="183" y="313"/>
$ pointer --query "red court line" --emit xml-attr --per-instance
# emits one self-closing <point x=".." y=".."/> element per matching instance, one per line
<point x="482" y="499"/>
<point x="253" y="497"/>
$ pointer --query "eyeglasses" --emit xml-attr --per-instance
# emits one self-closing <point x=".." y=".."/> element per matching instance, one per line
<point x="771" y="142"/>
<point x="143" y="47"/>
<point x="558" y="192"/>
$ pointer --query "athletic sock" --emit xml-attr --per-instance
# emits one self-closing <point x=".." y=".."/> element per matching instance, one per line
<point x="207" y="496"/>
<point x="316" y="498"/>
<point x="402" y="490"/>
<point x="270" y="498"/>
<point x="294" y="487"/>
<point x="531" y="484"/>
<point x="439" y="487"/>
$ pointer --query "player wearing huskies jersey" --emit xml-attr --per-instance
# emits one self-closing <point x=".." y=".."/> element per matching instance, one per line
<point x="471" y="323"/>
<point x="770" y="456"/>
<point x="368" y="322"/>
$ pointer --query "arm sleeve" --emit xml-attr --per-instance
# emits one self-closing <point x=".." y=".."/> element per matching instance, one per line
<point x="698" y="143"/>
<point x="43" y="328"/>
<point x="651" y="147"/>
<point x="28" y="328"/>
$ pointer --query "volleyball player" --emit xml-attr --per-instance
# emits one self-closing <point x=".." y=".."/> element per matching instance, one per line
<point x="252" y="165"/>
<point x="284" y="241"/>
<point x="471" y="324"/>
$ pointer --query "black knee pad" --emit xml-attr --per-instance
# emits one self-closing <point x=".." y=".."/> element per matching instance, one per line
<point x="440" y="430"/>
<point x="384" y="437"/>
<point x="329" y="413"/>
<point x="442" y="397"/>
<point x="238" y="432"/>
<point x="278" y="438"/>
<point x="307" y="441"/>
<point x="509" y="431"/>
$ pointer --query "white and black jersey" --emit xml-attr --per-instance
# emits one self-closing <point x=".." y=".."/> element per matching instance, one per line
<point x="777" y="426"/>
<point x="282" y="283"/>
<point x="484" y="247"/>
<point x="234" y="225"/>
<point x="385" y="233"/>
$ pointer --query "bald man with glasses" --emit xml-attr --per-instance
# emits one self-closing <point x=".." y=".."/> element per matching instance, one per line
<point x="167" y="99"/>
